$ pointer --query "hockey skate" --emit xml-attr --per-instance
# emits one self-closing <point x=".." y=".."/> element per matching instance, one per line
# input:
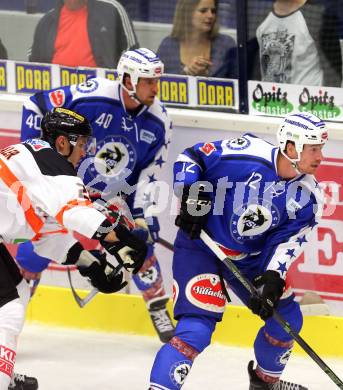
<point x="161" y="319"/>
<point x="258" y="384"/>
<point x="23" y="382"/>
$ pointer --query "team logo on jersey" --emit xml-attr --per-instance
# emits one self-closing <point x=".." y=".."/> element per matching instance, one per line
<point x="205" y="291"/>
<point x="208" y="148"/>
<point x="57" y="98"/>
<point x="253" y="219"/>
<point x="88" y="86"/>
<point x="179" y="371"/>
<point x="37" y="144"/>
<point x="114" y="157"/>
<point x="238" y="143"/>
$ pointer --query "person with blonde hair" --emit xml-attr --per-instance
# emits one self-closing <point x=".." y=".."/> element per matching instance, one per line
<point x="195" y="46"/>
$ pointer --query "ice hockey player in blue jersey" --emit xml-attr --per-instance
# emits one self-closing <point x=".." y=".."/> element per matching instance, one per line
<point x="259" y="203"/>
<point x="131" y="130"/>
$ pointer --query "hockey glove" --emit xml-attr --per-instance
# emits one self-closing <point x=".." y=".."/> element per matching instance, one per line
<point x="130" y="251"/>
<point x="101" y="274"/>
<point x="271" y="287"/>
<point x="194" y="210"/>
<point x="151" y="225"/>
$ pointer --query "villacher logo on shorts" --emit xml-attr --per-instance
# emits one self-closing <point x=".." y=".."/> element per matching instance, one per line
<point x="205" y="291"/>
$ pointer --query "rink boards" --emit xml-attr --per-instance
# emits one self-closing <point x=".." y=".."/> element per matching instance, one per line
<point x="126" y="313"/>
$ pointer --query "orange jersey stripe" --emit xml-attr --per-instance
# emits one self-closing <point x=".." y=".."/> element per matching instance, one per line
<point x="70" y="205"/>
<point x="18" y="188"/>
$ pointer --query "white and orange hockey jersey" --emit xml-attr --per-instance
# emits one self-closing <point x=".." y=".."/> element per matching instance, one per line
<point x="42" y="199"/>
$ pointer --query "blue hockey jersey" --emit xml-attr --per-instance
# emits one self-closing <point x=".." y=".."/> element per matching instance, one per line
<point x="254" y="211"/>
<point x="127" y="148"/>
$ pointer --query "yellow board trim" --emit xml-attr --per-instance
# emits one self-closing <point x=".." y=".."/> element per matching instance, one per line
<point x="125" y="313"/>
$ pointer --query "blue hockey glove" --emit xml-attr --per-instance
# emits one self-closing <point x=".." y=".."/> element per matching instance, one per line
<point x="271" y="287"/>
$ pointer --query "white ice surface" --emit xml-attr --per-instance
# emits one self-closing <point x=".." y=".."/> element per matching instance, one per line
<point x="81" y="360"/>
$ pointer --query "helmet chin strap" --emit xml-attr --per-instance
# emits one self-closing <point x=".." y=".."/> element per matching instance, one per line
<point x="132" y="95"/>
<point x="293" y="162"/>
<point x="296" y="168"/>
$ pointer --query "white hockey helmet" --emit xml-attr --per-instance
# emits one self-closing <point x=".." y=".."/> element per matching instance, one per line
<point x="301" y="128"/>
<point x="139" y="63"/>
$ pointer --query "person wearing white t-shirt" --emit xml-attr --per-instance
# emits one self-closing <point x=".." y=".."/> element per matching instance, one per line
<point x="299" y="44"/>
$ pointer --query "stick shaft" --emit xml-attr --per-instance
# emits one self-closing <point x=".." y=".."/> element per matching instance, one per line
<point x="165" y="243"/>
<point x="283" y="323"/>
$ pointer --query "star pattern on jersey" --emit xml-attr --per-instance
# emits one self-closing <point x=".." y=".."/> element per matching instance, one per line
<point x="152" y="178"/>
<point x="282" y="267"/>
<point x="301" y="240"/>
<point x="290" y="253"/>
<point x="159" y="161"/>
<point x="164" y="110"/>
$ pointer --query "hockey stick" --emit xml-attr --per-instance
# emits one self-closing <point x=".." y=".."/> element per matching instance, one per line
<point x="165" y="244"/>
<point x="283" y="323"/>
<point x="81" y="301"/>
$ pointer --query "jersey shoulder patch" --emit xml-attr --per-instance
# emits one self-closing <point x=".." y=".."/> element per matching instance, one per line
<point x="37" y="144"/>
<point x="249" y="145"/>
<point x="98" y="87"/>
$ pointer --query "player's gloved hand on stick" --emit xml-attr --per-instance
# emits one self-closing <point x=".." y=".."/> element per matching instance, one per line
<point x="151" y="225"/>
<point x="101" y="274"/>
<point x="194" y="210"/>
<point x="130" y="251"/>
<point x="271" y="287"/>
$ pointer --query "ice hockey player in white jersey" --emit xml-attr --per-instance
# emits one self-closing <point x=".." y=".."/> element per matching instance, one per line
<point x="259" y="203"/>
<point x="131" y="130"/>
<point x="43" y="200"/>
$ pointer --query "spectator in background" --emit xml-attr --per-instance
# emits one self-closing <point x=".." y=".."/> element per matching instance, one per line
<point x="195" y="46"/>
<point x="298" y="43"/>
<point x="90" y="33"/>
<point x="3" y="52"/>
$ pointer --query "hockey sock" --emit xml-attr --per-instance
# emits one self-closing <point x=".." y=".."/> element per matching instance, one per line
<point x="149" y="278"/>
<point x="174" y="360"/>
<point x="271" y="355"/>
<point x="11" y="323"/>
<point x="273" y="345"/>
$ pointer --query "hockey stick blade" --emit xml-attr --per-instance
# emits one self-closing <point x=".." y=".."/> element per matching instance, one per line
<point x="165" y="244"/>
<point x="81" y="301"/>
<point x="283" y="323"/>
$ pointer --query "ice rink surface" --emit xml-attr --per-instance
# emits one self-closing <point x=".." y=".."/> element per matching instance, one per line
<point x="65" y="359"/>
